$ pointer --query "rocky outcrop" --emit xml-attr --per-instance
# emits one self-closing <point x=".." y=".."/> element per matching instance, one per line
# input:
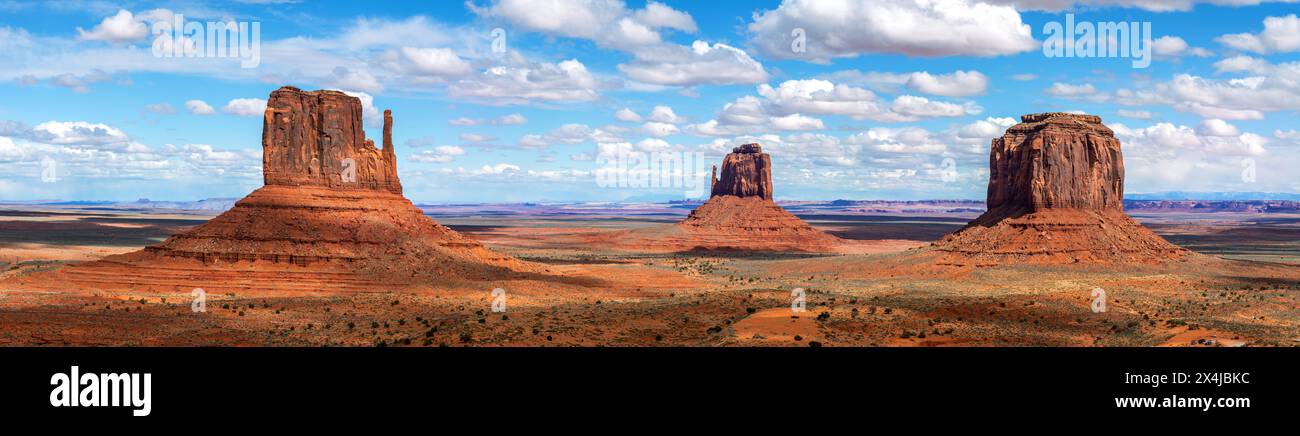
<point x="746" y="172"/>
<point x="739" y="215"/>
<point x="316" y="139"/>
<point x="1056" y="160"/>
<point x="1055" y="195"/>
<point x="318" y="223"/>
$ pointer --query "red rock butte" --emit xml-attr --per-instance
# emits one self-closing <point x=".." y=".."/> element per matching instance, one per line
<point x="741" y="214"/>
<point x="330" y="216"/>
<point x="1055" y="195"/>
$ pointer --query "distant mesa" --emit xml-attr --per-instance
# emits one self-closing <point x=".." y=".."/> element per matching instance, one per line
<point x="740" y="214"/>
<point x="1055" y="195"/>
<point x="331" y="216"/>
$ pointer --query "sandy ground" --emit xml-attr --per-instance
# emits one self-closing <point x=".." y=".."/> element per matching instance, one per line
<point x="593" y="296"/>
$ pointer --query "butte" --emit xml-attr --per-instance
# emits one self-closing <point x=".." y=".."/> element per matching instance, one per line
<point x="740" y="215"/>
<point x="1055" y="196"/>
<point x="330" y="217"/>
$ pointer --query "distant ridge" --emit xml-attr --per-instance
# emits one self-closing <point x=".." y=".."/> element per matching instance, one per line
<point x="1211" y="196"/>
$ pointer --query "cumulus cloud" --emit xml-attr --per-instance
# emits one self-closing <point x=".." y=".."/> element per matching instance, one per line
<point x="77" y="132"/>
<point x="701" y="63"/>
<point x="567" y="81"/>
<point x="664" y="114"/>
<point x="916" y="28"/>
<point x="1217" y="127"/>
<point x="199" y="107"/>
<point x="120" y="27"/>
<point x="245" y="107"/>
<point x="958" y="84"/>
<point x="435" y="61"/>
<point x="1271" y="88"/>
<point x="1280" y="35"/>
<point x="608" y="23"/>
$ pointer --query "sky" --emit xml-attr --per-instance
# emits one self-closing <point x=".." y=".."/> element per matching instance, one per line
<point x="547" y="100"/>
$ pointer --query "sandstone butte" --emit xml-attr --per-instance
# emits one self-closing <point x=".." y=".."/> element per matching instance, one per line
<point x="740" y="214"/>
<point x="330" y="216"/>
<point x="1055" y="195"/>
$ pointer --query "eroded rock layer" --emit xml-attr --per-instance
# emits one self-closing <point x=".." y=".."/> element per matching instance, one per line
<point x="316" y="224"/>
<point x="1055" y="195"/>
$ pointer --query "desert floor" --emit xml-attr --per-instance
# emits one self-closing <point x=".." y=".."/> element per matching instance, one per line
<point x="1244" y="292"/>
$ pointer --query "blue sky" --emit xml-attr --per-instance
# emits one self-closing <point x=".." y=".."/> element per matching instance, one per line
<point x="890" y="99"/>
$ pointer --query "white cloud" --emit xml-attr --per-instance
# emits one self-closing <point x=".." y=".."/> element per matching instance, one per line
<point x="120" y="27"/>
<point x="901" y="140"/>
<point x="659" y="15"/>
<point x="664" y="114"/>
<point x="796" y="122"/>
<point x="501" y="168"/>
<point x="567" y="81"/>
<point x="1238" y="64"/>
<point x="360" y="80"/>
<point x="199" y="107"/>
<point x="1276" y="88"/>
<point x="608" y="23"/>
<point x="850" y="28"/>
<point x="1173" y="46"/>
<point x="628" y="115"/>
<point x="246" y="107"/>
<point x="1280" y="35"/>
<point x="958" y="84"/>
<point x="435" y="61"/>
<point x="441" y="154"/>
<point x="981" y="131"/>
<point x="701" y="63"/>
<point x="77" y="133"/>
<point x="1217" y="127"/>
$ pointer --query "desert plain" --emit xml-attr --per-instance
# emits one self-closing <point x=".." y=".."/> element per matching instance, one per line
<point x="586" y="289"/>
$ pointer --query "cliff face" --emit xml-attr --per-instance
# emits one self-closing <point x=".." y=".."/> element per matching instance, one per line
<point x="1055" y="195"/>
<point x="746" y="172"/>
<point x="316" y="139"/>
<point x="1056" y="160"/>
